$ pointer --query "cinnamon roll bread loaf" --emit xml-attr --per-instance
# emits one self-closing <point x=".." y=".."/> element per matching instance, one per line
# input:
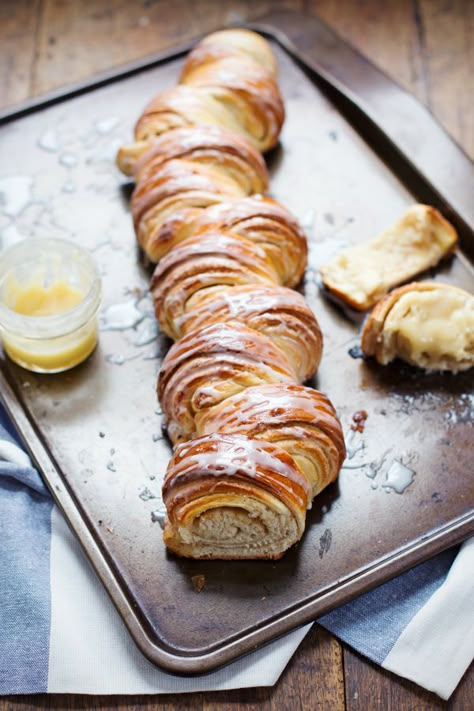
<point x="252" y="445"/>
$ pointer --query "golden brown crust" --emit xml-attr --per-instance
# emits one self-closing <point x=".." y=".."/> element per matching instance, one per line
<point x="279" y="313"/>
<point x="209" y="145"/>
<point x="267" y="223"/>
<point x="300" y="420"/>
<point x="242" y="85"/>
<point x="183" y="106"/>
<point x="245" y="42"/>
<point x="204" y="262"/>
<point x="208" y="366"/>
<point x="179" y="107"/>
<point x="187" y="169"/>
<point x="260" y="219"/>
<point x="427" y="324"/>
<point x="176" y="185"/>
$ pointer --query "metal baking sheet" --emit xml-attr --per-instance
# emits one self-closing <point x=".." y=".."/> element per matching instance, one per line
<point x="406" y="489"/>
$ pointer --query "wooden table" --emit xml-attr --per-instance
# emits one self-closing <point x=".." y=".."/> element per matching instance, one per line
<point x="428" y="46"/>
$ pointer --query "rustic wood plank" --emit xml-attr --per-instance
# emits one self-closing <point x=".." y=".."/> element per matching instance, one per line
<point x="370" y="687"/>
<point x="385" y="32"/>
<point x="447" y="37"/>
<point x="426" y="45"/>
<point x="79" y="39"/>
<point x="18" y="26"/>
<point x="312" y="680"/>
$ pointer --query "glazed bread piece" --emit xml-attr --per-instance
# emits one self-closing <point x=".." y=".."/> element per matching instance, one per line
<point x="260" y="219"/>
<point x="228" y="80"/>
<point x="231" y="497"/>
<point x="208" y="366"/>
<point x="363" y="274"/>
<point x="187" y="170"/>
<point x="233" y="155"/>
<point x="242" y="85"/>
<point x="204" y="263"/>
<point x="429" y="325"/>
<point x="178" y="107"/>
<point x="178" y="184"/>
<point x="267" y="223"/>
<point x="279" y="313"/>
<point x="298" y="419"/>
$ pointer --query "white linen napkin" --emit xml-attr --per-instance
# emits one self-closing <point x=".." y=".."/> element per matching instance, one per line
<point x="59" y="631"/>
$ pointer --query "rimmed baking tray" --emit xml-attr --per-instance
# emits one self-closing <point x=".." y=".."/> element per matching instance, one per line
<point x="406" y="490"/>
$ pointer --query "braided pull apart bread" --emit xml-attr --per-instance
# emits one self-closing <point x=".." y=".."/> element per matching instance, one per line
<point x="252" y="445"/>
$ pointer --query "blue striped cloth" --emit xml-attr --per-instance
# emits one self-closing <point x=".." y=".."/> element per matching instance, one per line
<point x="37" y="655"/>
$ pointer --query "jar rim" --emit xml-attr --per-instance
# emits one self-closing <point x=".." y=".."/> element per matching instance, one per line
<point x="42" y="327"/>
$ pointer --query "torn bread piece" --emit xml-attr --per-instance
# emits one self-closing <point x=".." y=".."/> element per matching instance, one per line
<point x="363" y="274"/>
<point x="426" y="324"/>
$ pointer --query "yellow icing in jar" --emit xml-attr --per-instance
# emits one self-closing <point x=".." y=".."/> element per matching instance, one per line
<point x="37" y="300"/>
<point x="49" y="298"/>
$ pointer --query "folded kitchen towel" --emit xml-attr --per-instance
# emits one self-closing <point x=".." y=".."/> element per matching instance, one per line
<point x="59" y="632"/>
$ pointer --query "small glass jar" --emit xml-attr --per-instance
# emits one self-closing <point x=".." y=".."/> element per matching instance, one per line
<point x="50" y="293"/>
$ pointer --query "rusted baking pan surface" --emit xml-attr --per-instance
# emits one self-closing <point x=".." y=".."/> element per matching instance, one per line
<point x="406" y="489"/>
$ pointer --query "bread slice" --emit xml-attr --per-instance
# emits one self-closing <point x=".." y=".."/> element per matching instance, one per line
<point x="230" y="497"/>
<point x="429" y="325"/>
<point x="363" y="274"/>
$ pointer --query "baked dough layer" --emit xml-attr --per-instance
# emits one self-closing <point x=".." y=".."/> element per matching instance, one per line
<point x="362" y="275"/>
<point x="429" y="325"/>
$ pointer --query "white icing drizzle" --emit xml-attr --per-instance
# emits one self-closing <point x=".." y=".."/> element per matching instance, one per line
<point x="229" y="455"/>
<point x="271" y="402"/>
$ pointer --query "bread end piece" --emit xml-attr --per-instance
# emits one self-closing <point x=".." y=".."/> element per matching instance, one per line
<point x="426" y="324"/>
<point x="361" y="275"/>
<point x="128" y="156"/>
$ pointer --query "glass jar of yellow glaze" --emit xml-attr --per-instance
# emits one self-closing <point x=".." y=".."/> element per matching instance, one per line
<point x="49" y="298"/>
